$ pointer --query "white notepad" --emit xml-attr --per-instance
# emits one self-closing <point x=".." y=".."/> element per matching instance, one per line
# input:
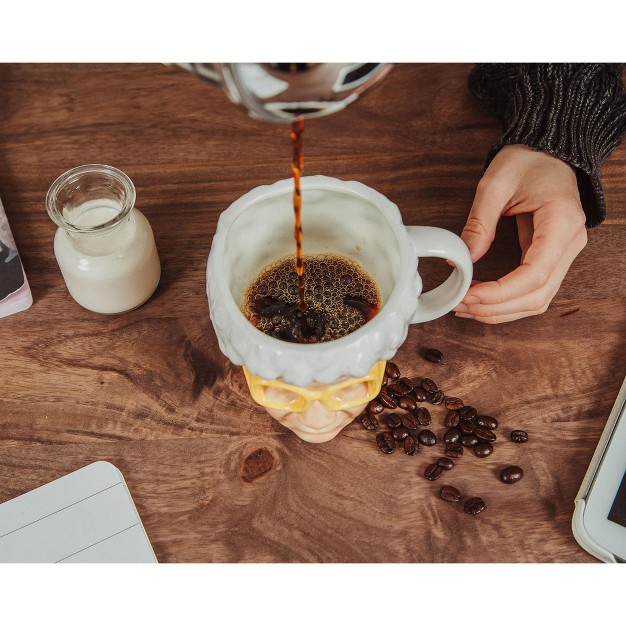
<point x="87" y="516"/>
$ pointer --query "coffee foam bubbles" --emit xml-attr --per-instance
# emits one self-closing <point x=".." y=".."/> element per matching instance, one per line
<point x="329" y="278"/>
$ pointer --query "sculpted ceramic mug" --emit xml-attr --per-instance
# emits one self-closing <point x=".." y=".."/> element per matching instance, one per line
<point x="317" y="389"/>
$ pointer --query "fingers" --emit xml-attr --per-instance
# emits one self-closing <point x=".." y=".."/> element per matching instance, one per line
<point x="536" y="304"/>
<point x="530" y="288"/>
<point x="489" y="203"/>
<point x="492" y="308"/>
<point x="500" y="318"/>
<point x="524" y="231"/>
<point x="555" y="239"/>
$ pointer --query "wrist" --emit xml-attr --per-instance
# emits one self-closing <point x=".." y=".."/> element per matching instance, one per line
<point x="522" y="158"/>
<point x="536" y="157"/>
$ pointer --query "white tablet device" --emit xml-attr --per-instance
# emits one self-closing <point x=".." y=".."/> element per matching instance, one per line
<point x="599" y="521"/>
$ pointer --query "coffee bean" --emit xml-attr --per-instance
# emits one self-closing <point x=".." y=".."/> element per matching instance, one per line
<point x="392" y="370"/>
<point x="436" y="398"/>
<point x="454" y="450"/>
<point x="454" y="404"/>
<point x="483" y="449"/>
<point x="419" y="393"/>
<point x="423" y="416"/>
<point x="400" y="433"/>
<point x="485" y="434"/>
<point x="474" y="506"/>
<point x="414" y="433"/>
<point x="386" y="442"/>
<point x="385" y="381"/>
<point x="433" y="355"/>
<point x="386" y="400"/>
<point x="449" y="493"/>
<point x="433" y="471"/>
<point x="427" y="437"/>
<point x="468" y="413"/>
<point x="411" y="446"/>
<point x="409" y="421"/>
<point x="396" y="389"/>
<point x="375" y="407"/>
<point x="466" y="428"/>
<point x="512" y="474"/>
<point x="469" y="441"/>
<point x="407" y="403"/>
<point x="452" y="435"/>
<point x="452" y="419"/>
<point x="445" y="463"/>
<point x="428" y="385"/>
<point x="369" y="421"/>
<point x="407" y="382"/>
<point x="519" y="436"/>
<point x="486" y="421"/>
<point x="393" y="420"/>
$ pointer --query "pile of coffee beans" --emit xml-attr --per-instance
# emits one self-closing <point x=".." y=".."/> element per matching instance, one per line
<point x="467" y="429"/>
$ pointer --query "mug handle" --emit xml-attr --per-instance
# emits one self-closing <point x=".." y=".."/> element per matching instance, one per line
<point x="430" y="241"/>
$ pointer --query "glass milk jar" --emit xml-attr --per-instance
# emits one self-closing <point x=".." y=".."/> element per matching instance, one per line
<point x="104" y="246"/>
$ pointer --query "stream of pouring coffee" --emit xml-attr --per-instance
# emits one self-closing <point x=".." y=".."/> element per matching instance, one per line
<point x="297" y="162"/>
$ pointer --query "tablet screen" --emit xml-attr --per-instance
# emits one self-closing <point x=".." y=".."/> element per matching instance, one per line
<point x="617" y="513"/>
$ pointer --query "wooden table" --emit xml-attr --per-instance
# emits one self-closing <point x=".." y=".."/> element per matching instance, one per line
<point x="150" y="391"/>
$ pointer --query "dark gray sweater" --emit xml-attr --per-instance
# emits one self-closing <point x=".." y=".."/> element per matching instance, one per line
<point x="576" y="112"/>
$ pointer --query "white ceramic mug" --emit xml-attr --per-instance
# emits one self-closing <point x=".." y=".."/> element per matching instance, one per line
<point x="338" y="217"/>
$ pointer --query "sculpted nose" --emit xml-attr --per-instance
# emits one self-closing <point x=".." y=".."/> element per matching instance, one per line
<point x="318" y="416"/>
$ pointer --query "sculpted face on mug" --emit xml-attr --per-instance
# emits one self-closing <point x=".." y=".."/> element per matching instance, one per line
<point x="317" y="412"/>
<point x="318" y="423"/>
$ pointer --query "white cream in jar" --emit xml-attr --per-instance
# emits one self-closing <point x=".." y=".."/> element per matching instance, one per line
<point x="104" y="246"/>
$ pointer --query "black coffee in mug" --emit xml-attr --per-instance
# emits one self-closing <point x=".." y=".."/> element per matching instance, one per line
<point x="340" y="296"/>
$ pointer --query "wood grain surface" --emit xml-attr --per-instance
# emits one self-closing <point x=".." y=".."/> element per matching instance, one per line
<point x="150" y="391"/>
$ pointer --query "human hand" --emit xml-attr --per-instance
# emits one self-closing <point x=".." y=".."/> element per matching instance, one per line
<point x="541" y="191"/>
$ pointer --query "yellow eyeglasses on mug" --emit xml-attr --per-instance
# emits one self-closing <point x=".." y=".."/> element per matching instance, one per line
<point x="275" y="394"/>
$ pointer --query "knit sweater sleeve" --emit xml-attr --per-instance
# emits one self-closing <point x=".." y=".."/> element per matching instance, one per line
<point x="576" y="112"/>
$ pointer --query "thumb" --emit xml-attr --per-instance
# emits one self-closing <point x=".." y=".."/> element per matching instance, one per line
<point x="489" y="204"/>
